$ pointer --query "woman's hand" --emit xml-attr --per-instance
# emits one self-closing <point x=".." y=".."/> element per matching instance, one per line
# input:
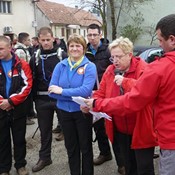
<point x="55" y="89"/>
<point x="89" y="103"/>
<point x="84" y="109"/>
<point x="118" y="80"/>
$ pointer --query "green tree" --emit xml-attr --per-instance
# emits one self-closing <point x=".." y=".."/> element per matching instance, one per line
<point x="132" y="31"/>
<point x="98" y="6"/>
<point x="116" y="9"/>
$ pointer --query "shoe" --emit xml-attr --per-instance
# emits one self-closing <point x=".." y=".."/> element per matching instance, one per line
<point x="121" y="170"/>
<point x="22" y="171"/>
<point x="41" y="164"/>
<point x="56" y="130"/>
<point x="4" y="174"/>
<point x="29" y="122"/>
<point x="59" y="137"/>
<point x="101" y="159"/>
<point x="33" y="115"/>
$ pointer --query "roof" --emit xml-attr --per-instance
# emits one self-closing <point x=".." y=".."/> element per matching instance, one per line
<point x="57" y="13"/>
<point x="61" y="14"/>
<point x="84" y="18"/>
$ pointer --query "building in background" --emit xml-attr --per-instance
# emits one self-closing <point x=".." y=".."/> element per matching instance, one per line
<point x="28" y="16"/>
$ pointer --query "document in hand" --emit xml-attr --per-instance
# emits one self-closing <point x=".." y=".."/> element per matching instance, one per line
<point x="96" y="115"/>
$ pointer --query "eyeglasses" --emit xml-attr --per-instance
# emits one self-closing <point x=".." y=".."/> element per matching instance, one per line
<point x="119" y="57"/>
<point x="94" y="35"/>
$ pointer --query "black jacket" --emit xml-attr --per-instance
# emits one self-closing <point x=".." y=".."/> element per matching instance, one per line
<point x="42" y="68"/>
<point x="21" y="84"/>
<point x="101" y="58"/>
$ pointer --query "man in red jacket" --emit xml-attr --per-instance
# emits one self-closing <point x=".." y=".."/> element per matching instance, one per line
<point x="155" y="85"/>
<point x="15" y="86"/>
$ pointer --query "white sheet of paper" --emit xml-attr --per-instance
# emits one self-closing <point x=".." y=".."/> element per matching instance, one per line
<point x="79" y="100"/>
<point x="96" y="115"/>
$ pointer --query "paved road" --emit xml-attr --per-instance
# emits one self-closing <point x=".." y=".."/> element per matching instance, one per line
<point x="59" y="157"/>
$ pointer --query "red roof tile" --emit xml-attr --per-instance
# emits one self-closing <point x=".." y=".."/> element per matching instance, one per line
<point x="60" y="14"/>
<point x="57" y="13"/>
<point x="84" y="18"/>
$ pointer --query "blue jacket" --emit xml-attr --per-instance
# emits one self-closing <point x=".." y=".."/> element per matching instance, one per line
<point x="79" y="83"/>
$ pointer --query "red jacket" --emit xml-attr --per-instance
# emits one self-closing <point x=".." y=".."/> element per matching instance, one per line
<point x="157" y="84"/>
<point x="21" y="83"/>
<point x="131" y="123"/>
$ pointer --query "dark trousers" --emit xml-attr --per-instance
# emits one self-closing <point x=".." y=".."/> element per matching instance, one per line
<point x="16" y="128"/>
<point x="45" y="111"/>
<point x="102" y="139"/>
<point x="145" y="164"/>
<point x="117" y="151"/>
<point x="128" y="153"/>
<point x="77" y="129"/>
<point x="59" y="125"/>
<point x="30" y="108"/>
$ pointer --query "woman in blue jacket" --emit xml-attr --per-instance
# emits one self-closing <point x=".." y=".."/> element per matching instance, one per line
<point x="75" y="76"/>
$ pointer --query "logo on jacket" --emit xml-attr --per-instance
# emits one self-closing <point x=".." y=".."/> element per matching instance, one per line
<point x="80" y="70"/>
<point x="9" y="74"/>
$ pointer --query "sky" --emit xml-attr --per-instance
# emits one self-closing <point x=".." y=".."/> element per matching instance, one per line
<point x="70" y="3"/>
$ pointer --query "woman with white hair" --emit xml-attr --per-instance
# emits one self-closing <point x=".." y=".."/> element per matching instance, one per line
<point x="134" y="131"/>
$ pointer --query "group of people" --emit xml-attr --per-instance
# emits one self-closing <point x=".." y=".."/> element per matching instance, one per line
<point x="139" y="98"/>
<point x="154" y="88"/>
<point x="42" y="62"/>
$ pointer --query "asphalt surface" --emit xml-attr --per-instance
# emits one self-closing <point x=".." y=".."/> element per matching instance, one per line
<point x="59" y="156"/>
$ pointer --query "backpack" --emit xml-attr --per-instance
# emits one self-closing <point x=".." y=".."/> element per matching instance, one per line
<point x="25" y="51"/>
<point x="59" y="54"/>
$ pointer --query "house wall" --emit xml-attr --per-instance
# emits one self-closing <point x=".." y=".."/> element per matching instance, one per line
<point x="20" y="19"/>
<point x="41" y="19"/>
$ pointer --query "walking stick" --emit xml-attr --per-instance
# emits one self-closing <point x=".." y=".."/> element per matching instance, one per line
<point x="35" y="132"/>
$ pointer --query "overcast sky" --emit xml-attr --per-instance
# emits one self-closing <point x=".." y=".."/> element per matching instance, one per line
<point x="65" y="2"/>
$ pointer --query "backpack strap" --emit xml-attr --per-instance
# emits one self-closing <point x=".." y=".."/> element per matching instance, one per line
<point x="37" y="56"/>
<point x="59" y="54"/>
<point x="25" y="51"/>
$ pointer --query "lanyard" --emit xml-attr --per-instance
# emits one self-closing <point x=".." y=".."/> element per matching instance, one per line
<point x="76" y="64"/>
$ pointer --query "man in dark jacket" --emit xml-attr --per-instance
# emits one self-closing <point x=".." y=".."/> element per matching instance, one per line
<point x="22" y="51"/>
<point x="15" y="86"/>
<point x="43" y="64"/>
<point x="99" y="54"/>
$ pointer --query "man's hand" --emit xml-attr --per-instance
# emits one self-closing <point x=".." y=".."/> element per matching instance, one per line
<point x="89" y="103"/>
<point x="118" y="80"/>
<point x="55" y="89"/>
<point x="5" y="105"/>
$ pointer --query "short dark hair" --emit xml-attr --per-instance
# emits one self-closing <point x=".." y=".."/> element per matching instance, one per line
<point x="35" y="38"/>
<point x="22" y="36"/>
<point x="44" y="31"/>
<point x="94" y="26"/>
<point x="167" y="26"/>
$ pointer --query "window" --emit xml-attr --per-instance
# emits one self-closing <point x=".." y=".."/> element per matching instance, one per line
<point x="5" y="6"/>
<point x="74" y="30"/>
<point x="84" y="33"/>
